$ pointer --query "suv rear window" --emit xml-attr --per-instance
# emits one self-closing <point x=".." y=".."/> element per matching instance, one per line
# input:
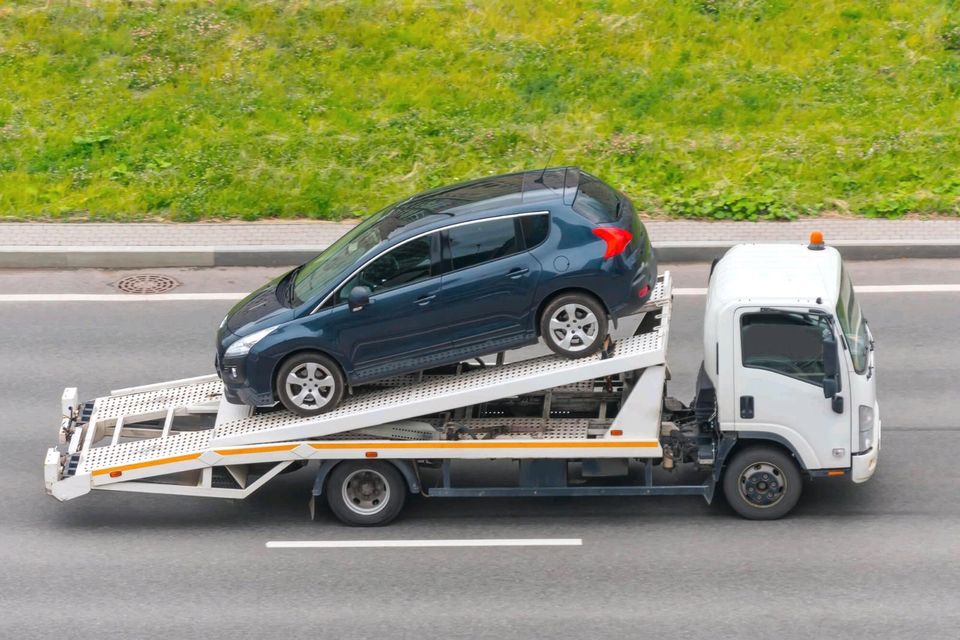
<point x="596" y="201"/>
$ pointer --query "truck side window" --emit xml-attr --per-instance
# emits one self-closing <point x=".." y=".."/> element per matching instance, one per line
<point x="790" y="344"/>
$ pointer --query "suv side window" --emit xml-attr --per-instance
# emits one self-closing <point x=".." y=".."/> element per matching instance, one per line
<point x="535" y="229"/>
<point x="407" y="263"/>
<point x="790" y="344"/>
<point x="479" y="242"/>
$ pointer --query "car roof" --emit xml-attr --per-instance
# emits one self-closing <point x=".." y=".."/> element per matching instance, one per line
<point x="481" y="198"/>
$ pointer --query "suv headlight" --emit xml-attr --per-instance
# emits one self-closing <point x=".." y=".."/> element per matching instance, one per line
<point x="866" y="427"/>
<point x="242" y="346"/>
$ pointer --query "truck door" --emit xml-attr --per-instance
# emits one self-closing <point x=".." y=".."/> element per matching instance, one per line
<point x="779" y="384"/>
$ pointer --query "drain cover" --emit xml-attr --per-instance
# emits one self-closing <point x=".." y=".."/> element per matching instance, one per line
<point x="146" y="283"/>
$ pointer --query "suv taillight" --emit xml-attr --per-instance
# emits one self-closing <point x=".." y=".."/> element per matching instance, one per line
<point x="616" y="238"/>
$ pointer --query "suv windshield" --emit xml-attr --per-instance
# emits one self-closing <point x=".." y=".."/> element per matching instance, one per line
<point x="852" y="323"/>
<point x="314" y="276"/>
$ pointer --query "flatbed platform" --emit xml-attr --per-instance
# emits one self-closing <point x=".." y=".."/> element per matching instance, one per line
<point x="172" y="429"/>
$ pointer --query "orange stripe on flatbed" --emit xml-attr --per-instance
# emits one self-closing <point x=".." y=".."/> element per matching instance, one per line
<point x="413" y="444"/>
<point x="479" y="444"/>
<point x="148" y="463"/>
<point x="238" y="452"/>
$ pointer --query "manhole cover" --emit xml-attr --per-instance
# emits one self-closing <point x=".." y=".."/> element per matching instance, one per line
<point x="146" y="283"/>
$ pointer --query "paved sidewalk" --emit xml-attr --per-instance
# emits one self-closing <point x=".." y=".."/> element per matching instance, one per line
<point x="323" y="233"/>
<point x="134" y="245"/>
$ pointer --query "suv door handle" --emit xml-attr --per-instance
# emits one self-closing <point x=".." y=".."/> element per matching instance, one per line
<point x="746" y="407"/>
<point x="425" y="300"/>
<point x="517" y="272"/>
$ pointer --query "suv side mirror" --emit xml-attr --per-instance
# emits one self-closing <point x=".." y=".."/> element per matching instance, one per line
<point x="359" y="298"/>
<point x="831" y="367"/>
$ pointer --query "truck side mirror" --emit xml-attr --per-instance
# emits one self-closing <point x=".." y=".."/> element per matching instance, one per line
<point x="831" y="367"/>
<point x="359" y="298"/>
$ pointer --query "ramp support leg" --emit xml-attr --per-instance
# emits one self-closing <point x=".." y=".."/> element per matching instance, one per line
<point x="445" y="471"/>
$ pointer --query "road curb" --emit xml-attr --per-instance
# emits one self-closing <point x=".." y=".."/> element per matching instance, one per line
<point x="133" y="257"/>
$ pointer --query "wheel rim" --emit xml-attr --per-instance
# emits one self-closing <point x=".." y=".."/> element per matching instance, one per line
<point x="763" y="484"/>
<point x="310" y="385"/>
<point x="574" y="327"/>
<point x="366" y="492"/>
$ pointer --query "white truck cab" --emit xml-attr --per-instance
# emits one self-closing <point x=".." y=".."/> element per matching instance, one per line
<point x="791" y="357"/>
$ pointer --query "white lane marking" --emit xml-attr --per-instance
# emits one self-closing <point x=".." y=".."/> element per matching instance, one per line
<point x="481" y="542"/>
<point x="201" y="297"/>
<point x="908" y="288"/>
<point x="869" y="288"/>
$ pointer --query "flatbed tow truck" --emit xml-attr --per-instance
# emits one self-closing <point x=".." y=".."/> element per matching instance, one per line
<point x="786" y="393"/>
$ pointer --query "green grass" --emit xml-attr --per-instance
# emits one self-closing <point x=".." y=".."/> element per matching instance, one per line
<point x="709" y="108"/>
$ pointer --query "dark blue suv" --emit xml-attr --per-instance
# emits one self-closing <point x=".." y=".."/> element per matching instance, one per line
<point x="445" y="276"/>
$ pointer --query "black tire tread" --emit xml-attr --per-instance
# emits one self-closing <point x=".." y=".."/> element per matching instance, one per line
<point x="398" y="493"/>
<point x="296" y="360"/>
<point x="752" y="455"/>
<point x="586" y="300"/>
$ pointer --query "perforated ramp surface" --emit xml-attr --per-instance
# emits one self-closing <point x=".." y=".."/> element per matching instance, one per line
<point x="155" y="448"/>
<point x="157" y="401"/>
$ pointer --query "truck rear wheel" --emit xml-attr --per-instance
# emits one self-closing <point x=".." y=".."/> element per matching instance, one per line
<point x="366" y="494"/>
<point x="762" y="483"/>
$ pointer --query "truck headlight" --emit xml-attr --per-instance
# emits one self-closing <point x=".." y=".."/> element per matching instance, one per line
<point x="242" y="346"/>
<point x="866" y="427"/>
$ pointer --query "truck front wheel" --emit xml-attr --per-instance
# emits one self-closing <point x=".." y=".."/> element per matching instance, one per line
<point x="762" y="483"/>
<point x="366" y="494"/>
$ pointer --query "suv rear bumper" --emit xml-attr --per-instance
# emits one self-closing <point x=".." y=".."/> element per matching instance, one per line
<point x="641" y="288"/>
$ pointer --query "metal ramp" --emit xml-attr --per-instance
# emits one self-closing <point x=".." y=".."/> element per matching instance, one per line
<point x="148" y="437"/>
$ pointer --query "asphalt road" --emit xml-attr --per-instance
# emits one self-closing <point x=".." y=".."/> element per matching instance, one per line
<point x="881" y="560"/>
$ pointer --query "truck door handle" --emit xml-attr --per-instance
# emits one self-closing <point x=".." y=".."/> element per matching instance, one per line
<point x="746" y="407"/>
<point x="425" y="300"/>
<point x="518" y="272"/>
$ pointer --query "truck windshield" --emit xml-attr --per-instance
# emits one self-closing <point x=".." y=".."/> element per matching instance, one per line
<point x="315" y="275"/>
<point x="852" y="324"/>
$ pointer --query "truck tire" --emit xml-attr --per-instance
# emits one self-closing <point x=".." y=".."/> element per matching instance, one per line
<point x="574" y="325"/>
<point x="762" y="483"/>
<point x="366" y="494"/>
<point x="309" y="384"/>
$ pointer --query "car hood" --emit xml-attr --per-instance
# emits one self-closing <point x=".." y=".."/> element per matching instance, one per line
<point x="258" y="310"/>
